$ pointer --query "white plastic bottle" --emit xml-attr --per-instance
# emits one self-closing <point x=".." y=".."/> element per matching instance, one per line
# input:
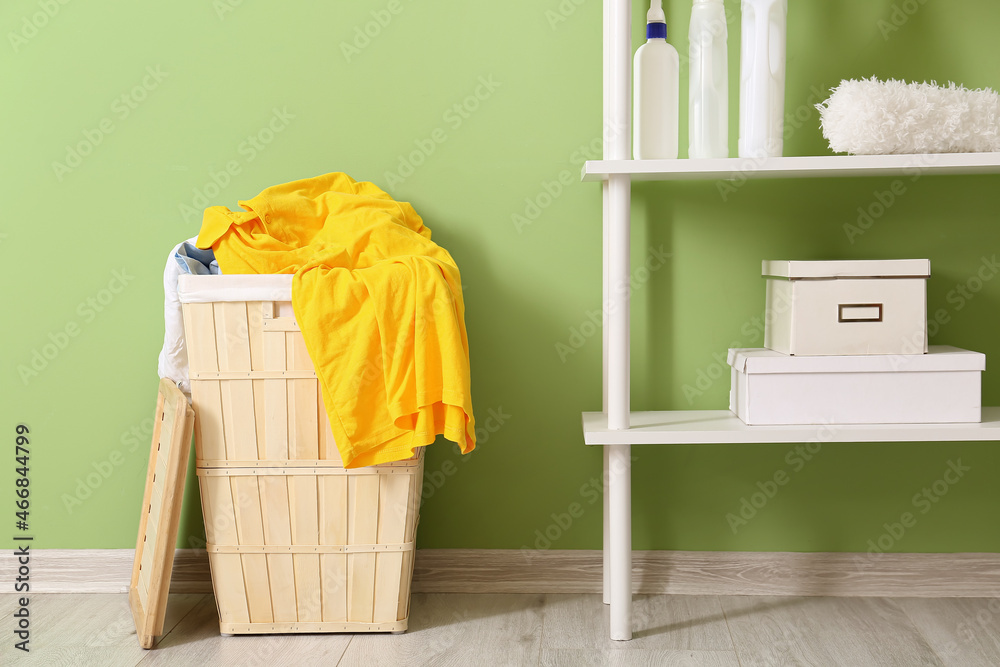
<point x="708" y="83"/>
<point x="656" y="91"/>
<point x="762" y="78"/>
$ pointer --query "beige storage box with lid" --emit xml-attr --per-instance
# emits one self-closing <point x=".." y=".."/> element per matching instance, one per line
<point x="296" y="542"/>
<point x="851" y="307"/>
<point x="943" y="386"/>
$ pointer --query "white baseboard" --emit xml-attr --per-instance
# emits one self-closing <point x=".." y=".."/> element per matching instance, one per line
<point x="713" y="573"/>
<point x="102" y="571"/>
<point x="515" y="571"/>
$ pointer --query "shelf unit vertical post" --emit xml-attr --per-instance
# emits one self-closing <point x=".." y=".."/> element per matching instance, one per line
<point x="605" y="295"/>
<point x="617" y="197"/>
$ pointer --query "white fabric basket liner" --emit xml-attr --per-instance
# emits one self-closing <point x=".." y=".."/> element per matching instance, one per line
<point x="241" y="287"/>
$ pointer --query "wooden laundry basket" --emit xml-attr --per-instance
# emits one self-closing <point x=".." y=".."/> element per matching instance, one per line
<point x="296" y="542"/>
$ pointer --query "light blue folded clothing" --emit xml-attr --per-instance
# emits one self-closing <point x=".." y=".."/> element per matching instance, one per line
<point x="196" y="261"/>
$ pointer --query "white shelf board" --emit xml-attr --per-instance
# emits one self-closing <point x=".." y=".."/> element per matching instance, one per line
<point x="814" y="166"/>
<point x="693" y="427"/>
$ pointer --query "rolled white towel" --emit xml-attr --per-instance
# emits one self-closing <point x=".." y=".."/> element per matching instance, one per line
<point x="871" y="117"/>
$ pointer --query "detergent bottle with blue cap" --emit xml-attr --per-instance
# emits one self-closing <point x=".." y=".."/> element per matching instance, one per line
<point x="656" y="92"/>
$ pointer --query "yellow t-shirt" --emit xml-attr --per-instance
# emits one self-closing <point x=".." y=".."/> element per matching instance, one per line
<point x="379" y="304"/>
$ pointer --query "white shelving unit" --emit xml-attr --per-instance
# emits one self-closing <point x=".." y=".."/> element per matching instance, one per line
<point x="617" y="428"/>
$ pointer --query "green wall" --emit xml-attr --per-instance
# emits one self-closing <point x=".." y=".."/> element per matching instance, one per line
<point x="224" y="68"/>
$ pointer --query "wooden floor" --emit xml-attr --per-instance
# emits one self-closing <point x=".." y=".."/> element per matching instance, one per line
<point x="571" y="630"/>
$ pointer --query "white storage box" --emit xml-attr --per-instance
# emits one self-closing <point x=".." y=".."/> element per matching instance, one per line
<point x="847" y="307"/>
<point x="943" y="386"/>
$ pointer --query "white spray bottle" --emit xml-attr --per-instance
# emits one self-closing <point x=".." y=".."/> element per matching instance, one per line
<point x="708" y="99"/>
<point x="656" y="91"/>
<point x="762" y="78"/>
